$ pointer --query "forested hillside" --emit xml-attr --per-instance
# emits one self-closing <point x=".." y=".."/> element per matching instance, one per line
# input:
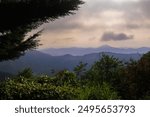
<point x="107" y="78"/>
<point x="42" y="63"/>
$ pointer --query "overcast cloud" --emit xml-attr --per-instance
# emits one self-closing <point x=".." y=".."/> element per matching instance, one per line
<point x="115" y="20"/>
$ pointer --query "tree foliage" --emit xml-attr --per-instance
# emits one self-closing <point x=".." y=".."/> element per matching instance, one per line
<point x="18" y="17"/>
<point x="137" y="78"/>
<point x="108" y="78"/>
<point x="107" y="69"/>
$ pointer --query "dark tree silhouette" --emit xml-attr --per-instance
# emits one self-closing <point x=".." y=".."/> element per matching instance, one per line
<point x="18" y="17"/>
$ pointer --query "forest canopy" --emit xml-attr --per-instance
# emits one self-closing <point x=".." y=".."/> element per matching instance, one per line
<point x="107" y="79"/>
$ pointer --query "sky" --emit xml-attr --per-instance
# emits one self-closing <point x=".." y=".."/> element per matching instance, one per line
<point x="118" y="23"/>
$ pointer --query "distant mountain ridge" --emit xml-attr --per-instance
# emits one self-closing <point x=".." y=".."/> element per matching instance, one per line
<point x="84" y="51"/>
<point x="42" y="63"/>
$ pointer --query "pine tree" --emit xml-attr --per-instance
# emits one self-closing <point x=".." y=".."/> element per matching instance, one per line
<point x="18" y="17"/>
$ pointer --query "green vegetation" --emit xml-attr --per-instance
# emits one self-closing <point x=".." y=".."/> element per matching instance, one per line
<point x="107" y="79"/>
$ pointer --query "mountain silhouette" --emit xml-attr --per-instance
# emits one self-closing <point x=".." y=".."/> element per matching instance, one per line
<point x="42" y="63"/>
<point x="84" y="51"/>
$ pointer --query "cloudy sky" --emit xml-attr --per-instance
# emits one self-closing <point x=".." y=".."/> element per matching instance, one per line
<point x="118" y="23"/>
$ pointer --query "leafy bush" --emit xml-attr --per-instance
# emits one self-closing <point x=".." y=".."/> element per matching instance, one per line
<point x="37" y="88"/>
<point x="99" y="92"/>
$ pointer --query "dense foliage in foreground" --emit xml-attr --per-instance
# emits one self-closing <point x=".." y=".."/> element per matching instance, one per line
<point x="108" y="78"/>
